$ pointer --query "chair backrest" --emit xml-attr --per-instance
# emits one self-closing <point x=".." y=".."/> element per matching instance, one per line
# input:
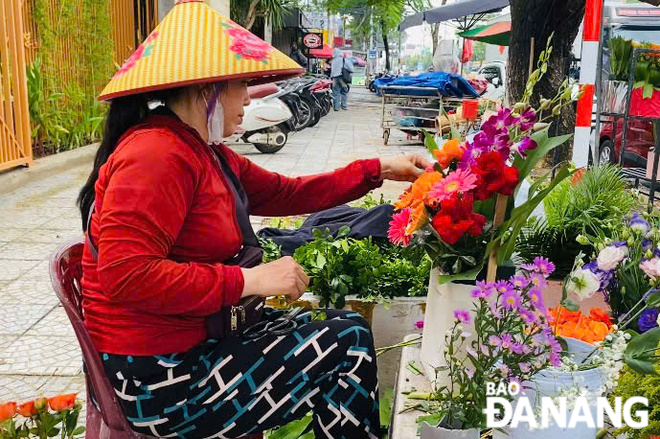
<point x="66" y="276"/>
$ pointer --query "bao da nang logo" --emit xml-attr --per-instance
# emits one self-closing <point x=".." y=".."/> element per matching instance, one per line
<point x="546" y="411"/>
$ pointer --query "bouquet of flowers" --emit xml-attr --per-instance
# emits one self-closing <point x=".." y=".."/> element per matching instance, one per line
<point x="460" y="208"/>
<point x="512" y="341"/>
<point x="623" y="269"/>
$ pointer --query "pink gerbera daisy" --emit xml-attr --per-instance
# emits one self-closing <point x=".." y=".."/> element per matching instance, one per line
<point x="458" y="181"/>
<point x="397" y="231"/>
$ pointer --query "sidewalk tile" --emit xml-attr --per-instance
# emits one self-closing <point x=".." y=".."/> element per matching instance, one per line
<point x="28" y="292"/>
<point x="16" y="319"/>
<point x="12" y="270"/>
<point x="42" y="355"/>
<point x="22" y="388"/>
<point x="55" y="323"/>
<point x="21" y="251"/>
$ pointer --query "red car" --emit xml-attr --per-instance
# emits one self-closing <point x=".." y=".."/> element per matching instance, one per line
<point x="638" y="142"/>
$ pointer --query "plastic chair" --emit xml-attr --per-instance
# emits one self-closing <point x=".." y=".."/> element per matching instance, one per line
<point x="107" y="421"/>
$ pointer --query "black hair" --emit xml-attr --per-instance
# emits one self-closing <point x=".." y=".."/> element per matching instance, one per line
<point x="124" y="113"/>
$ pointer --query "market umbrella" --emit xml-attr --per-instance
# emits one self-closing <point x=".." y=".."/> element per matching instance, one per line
<point x="325" y="53"/>
<point x="495" y="33"/>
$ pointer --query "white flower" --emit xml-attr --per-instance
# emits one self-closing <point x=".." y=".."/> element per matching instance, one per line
<point x="610" y="257"/>
<point x="583" y="283"/>
<point x="651" y="267"/>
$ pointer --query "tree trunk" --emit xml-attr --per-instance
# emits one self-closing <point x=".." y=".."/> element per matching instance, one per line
<point x="539" y="19"/>
<point x="435" y="27"/>
<point x="386" y="44"/>
<point x="251" y="14"/>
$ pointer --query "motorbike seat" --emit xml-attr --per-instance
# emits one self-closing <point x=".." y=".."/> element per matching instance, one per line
<point x="261" y="91"/>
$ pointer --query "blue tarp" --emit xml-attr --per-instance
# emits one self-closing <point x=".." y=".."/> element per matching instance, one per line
<point x="449" y="84"/>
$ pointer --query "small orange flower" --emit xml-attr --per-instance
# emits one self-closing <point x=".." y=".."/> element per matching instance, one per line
<point x="577" y="176"/>
<point x="27" y="409"/>
<point x="450" y="151"/>
<point x="418" y="219"/>
<point x="599" y="315"/>
<point x="416" y="194"/>
<point x="7" y="410"/>
<point x="62" y="402"/>
<point x="41" y="404"/>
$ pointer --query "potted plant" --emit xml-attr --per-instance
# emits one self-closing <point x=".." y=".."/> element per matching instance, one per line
<point x="462" y="210"/>
<point x="509" y="340"/>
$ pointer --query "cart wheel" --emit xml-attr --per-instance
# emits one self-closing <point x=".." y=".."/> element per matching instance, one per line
<point x="386" y="136"/>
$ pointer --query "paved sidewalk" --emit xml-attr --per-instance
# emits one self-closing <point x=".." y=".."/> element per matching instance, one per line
<point x="39" y="354"/>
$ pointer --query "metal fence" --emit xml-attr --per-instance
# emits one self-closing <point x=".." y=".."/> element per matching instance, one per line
<point x="15" y="140"/>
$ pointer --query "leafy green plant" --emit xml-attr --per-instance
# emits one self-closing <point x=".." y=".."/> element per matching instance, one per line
<point x="369" y="202"/>
<point x="591" y="204"/>
<point x="339" y="266"/>
<point x="633" y="384"/>
<point x="620" y="55"/>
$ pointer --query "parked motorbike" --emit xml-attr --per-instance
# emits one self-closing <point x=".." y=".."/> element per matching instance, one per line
<point x="267" y="120"/>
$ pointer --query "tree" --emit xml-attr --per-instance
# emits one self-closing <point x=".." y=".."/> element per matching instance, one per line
<point x="246" y="12"/>
<point x="540" y="19"/>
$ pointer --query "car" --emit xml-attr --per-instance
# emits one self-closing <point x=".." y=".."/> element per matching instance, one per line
<point x="639" y="140"/>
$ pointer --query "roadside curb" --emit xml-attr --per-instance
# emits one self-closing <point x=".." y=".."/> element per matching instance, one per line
<point x="45" y="167"/>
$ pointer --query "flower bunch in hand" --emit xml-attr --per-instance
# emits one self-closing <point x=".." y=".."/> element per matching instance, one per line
<point x="41" y="418"/>
<point x="505" y="338"/>
<point x="452" y="207"/>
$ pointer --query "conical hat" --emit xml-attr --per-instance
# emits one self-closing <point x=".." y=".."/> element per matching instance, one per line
<point x="195" y="44"/>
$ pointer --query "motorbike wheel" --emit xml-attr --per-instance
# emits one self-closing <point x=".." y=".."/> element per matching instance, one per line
<point x="316" y="118"/>
<point x="304" y="116"/>
<point x="267" y="149"/>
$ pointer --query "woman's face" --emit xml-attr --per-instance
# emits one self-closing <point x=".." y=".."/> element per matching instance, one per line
<point x="233" y="99"/>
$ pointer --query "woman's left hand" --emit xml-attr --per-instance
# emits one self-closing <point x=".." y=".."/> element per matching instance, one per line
<point x="403" y="167"/>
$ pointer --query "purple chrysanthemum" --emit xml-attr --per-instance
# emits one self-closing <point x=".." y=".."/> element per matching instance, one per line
<point x="503" y="287"/>
<point x="517" y="348"/>
<point x="519" y="282"/>
<point x="511" y="299"/>
<point x="524" y="367"/>
<point x="494" y="340"/>
<point x="462" y="316"/>
<point x="483" y="291"/>
<point x="506" y="341"/>
<point x="555" y="359"/>
<point x="496" y="312"/>
<point x="527" y="316"/>
<point x="538" y="280"/>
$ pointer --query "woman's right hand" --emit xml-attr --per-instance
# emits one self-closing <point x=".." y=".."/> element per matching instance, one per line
<point x="283" y="277"/>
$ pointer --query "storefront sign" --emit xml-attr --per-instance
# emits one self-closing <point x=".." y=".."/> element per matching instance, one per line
<point x="313" y="40"/>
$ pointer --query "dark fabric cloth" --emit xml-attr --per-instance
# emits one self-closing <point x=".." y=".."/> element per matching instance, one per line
<point x="363" y="223"/>
<point x="235" y="387"/>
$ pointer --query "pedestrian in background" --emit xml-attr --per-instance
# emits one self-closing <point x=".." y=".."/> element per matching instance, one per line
<point x="341" y="73"/>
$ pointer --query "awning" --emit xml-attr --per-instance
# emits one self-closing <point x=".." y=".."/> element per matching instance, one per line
<point x="325" y="53"/>
<point x="453" y="12"/>
<point x="494" y="33"/>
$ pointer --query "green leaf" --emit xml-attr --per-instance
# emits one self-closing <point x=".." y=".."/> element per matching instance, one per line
<point x="429" y="142"/>
<point x="343" y="232"/>
<point x="386" y="407"/>
<point x="320" y="261"/>
<point x="544" y="145"/>
<point x="433" y="420"/>
<point x="466" y="275"/>
<point x="79" y="430"/>
<point x="653" y="301"/>
<point x="292" y="430"/>
<point x="455" y="132"/>
<point x="648" y="91"/>
<point x="641" y="351"/>
<point x="571" y="306"/>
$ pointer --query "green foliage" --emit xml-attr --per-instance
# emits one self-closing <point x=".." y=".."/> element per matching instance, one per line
<point x="272" y="251"/>
<point x="633" y="384"/>
<point x="593" y="206"/>
<point x="64" y="111"/>
<point x="245" y="12"/>
<point x="368" y="201"/>
<point x="344" y="266"/>
<point x="286" y="222"/>
<point x="426" y="58"/>
<point x="621" y="53"/>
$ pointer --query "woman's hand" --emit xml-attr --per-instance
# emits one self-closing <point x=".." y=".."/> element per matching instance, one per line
<point x="403" y="168"/>
<point x="283" y="277"/>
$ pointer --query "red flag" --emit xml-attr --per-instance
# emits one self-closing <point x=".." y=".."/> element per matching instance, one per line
<point x="467" y="51"/>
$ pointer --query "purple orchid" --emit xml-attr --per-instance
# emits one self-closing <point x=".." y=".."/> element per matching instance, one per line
<point x="527" y="120"/>
<point x="470" y="156"/>
<point x="503" y="120"/>
<point x="523" y="146"/>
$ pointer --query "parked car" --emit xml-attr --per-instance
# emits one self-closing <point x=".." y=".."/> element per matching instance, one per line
<point x="639" y="141"/>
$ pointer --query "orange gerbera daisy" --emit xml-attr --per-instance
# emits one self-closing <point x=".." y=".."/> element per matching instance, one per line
<point x="419" y="217"/>
<point x="418" y="191"/>
<point x="450" y="151"/>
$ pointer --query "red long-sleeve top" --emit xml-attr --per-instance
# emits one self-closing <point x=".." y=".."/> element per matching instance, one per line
<point x="165" y="221"/>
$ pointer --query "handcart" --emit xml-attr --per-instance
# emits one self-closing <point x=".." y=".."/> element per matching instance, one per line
<point x="415" y="110"/>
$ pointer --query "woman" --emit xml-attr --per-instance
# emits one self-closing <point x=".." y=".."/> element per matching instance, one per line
<point x="166" y="216"/>
<point x="340" y="88"/>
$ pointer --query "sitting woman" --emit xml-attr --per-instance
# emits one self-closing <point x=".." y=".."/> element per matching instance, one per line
<point x="166" y="210"/>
